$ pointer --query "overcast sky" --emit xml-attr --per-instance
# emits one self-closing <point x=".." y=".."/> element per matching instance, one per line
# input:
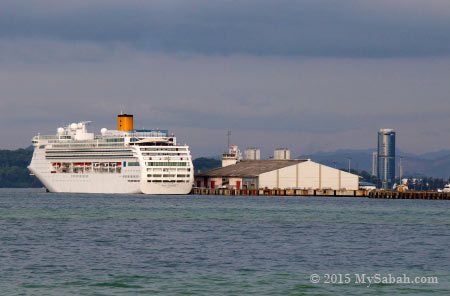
<point x="315" y="75"/>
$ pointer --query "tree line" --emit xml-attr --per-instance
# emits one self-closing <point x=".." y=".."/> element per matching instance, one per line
<point x="13" y="169"/>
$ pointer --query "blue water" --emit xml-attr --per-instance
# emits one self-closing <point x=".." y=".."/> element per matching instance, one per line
<point x="81" y="244"/>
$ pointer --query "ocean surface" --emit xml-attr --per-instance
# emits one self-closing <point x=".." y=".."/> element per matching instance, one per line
<point x="93" y="244"/>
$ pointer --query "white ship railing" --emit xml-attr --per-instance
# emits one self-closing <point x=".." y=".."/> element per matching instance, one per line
<point x="89" y="145"/>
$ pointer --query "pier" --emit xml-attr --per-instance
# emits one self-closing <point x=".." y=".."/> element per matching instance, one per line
<point x="380" y="194"/>
<point x="279" y="192"/>
<point x="385" y="194"/>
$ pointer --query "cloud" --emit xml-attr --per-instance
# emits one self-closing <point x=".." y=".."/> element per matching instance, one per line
<point x="318" y="28"/>
<point x="310" y="75"/>
<point x="308" y="103"/>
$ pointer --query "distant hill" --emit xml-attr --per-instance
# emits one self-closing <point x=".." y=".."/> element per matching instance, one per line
<point x="435" y="155"/>
<point x="204" y="163"/>
<point x="433" y="164"/>
<point x="437" y="167"/>
<point x="360" y="159"/>
<point x="13" y="169"/>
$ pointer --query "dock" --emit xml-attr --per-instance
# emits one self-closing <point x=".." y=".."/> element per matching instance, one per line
<point x="380" y="194"/>
<point x="279" y="192"/>
<point x="387" y="194"/>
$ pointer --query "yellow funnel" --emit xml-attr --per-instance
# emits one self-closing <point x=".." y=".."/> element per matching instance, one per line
<point x="125" y="122"/>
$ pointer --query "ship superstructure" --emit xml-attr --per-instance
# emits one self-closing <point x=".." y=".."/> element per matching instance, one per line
<point x="125" y="160"/>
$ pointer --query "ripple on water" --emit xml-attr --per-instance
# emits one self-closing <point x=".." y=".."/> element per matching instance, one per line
<point x="81" y="244"/>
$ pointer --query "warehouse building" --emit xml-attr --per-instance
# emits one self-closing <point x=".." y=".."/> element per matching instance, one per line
<point x="284" y="174"/>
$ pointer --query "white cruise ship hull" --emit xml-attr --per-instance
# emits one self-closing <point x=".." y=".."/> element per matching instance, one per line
<point x="166" y="188"/>
<point x="129" y="181"/>
<point x="108" y="185"/>
<point x="134" y="162"/>
<point x="88" y="184"/>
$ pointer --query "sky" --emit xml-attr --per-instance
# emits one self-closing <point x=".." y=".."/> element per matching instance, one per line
<point x="309" y="75"/>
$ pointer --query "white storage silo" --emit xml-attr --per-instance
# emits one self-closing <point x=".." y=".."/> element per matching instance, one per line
<point x="252" y="154"/>
<point x="282" y="153"/>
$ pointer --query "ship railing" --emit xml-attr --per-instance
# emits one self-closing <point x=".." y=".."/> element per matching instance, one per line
<point x="149" y="133"/>
<point x="89" y="145"/>
<point x="52" y="137"/>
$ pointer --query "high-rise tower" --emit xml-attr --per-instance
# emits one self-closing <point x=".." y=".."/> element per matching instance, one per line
<point x="374" y="163"/>
<point x="386" y="158"/>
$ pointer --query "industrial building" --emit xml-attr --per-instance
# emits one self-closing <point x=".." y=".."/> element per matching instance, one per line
<point x="232" y="156"/>
<point x="283" y="174"/>
<point x="282" y="153"/>
<point x="252" y="154"/>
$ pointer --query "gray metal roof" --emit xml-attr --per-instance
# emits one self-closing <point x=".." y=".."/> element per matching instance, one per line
<point x="249" y="168"/>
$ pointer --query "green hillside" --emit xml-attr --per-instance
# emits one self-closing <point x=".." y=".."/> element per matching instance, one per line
<point x="203" y="164"/>
<point x="13" y="169"/>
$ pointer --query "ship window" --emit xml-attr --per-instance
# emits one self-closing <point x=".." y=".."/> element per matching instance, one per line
<point x="166" y="163"/>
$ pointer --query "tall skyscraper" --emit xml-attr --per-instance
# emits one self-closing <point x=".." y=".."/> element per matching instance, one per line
<point x="374" y="163"/>
<point x="386" y="158"/>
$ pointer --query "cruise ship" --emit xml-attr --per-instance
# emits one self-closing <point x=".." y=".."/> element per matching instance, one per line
<point x="124" y="161"/>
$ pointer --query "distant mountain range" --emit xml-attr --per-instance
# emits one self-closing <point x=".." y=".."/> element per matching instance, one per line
<point x="432" y="164"/>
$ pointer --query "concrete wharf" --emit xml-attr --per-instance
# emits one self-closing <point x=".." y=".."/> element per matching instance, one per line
<point x="380" y="194"/>
<point x="386" y="194"/>
<point x="279" y="192"/>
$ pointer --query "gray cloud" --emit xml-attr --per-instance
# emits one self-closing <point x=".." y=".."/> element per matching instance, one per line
<point x="321" y="28"/>
<point x="304" y="103"/>
<point x="302" y="74"/>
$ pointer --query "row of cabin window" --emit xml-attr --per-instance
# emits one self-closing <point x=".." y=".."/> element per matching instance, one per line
<point x="167" y="176"/>
<point x="163" y="149"/>
<point x="168" y="181"/>
<point x="167" y="163"/>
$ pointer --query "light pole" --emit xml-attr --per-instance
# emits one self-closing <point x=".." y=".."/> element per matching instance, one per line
<point x="349" y="163"/>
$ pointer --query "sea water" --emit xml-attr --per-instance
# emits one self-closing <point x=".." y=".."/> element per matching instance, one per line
<point x="98" y="244"/>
